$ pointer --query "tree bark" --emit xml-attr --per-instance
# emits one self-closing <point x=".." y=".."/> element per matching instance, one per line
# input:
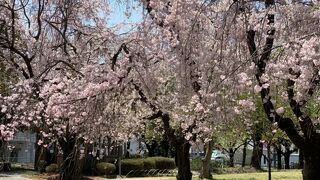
<point x="183" y="161"/>
<point x="205" y="171"/>
<point x="301" y="159"/>
<point x="287" y="160"/>
<point x="71" y="167"/>
<point x="279" y="154"/>
<point x="181" y="145"/>
<point x="311" y="169"/>
<point x="269" y="161"/>
<point x="164" y="147"/>
<point x="244" y="153"/>
<point x="309" y="139"/>
<point x="256" y="153"/>
<point x="151" y="148"/>
<point x="231" y="156"/>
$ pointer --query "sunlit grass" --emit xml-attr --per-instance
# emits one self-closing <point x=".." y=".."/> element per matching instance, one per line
<point x="283" y="175"/>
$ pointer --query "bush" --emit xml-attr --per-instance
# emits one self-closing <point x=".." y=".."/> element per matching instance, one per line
<point x="163" y="162"/>
<point x="106" y="168"/>
<point x="196" y="164"/>
<point x="52" y="168"/>
<point x="131" y="164"/>
<point x="42" y="166"/>
<point x="216" y="164"/>
<point x="149" y="163"/>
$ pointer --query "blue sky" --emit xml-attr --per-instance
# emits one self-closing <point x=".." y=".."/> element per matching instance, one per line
<point x="118" y="12"/>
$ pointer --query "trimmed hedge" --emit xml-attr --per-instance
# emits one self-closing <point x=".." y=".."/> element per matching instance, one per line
<point x="148" y="163"/>
<point x="42" y="166"/>
<point x="131" y="164"/>
<point x="163" y="162"/>
<point x="106" y="168"/>
<point x="52" y="168"/>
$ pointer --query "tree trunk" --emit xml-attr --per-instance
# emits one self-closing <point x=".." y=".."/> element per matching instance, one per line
<point x="183" y="162"/>
<point x="151" y="148"/>
<point x="279" y="152"/>
<point x="274" y="157"/>
<point x="164" y="147"/>
<point x="311" y="168"/>
<point x="256" y="155"/>
<point x="182" y="147"/>
<point x="231" y="156"/>
<point x="244" y="153"/>
<point x="205" y="171"/>
<point x="269" y="161"/>
<point x="71" y="168"/>
<point x="286" y="160"/>
<point x="301" y="159"/>
<point x="257" y="145"/>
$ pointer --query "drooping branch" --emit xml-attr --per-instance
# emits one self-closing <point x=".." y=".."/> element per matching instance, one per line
<point x="60" y="62"/>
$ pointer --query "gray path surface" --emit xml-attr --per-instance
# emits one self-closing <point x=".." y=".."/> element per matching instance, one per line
<point x="12" y="176"/>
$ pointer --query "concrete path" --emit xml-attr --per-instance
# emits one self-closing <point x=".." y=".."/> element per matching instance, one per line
<point x="4" y="176"/>
<point x="16" y="176"/>
<point x="144" y="178"/>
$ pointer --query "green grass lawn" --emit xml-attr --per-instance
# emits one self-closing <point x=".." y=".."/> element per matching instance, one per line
<point x="283" y="175"/>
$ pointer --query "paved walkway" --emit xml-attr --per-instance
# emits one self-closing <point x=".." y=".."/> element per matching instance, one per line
<point x="12" y="177"/>
<point x="144" y="178"/>
<point x="15" y="176"/>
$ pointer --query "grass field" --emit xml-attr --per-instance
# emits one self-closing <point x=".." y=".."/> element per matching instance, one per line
<point x="283" y="175"/>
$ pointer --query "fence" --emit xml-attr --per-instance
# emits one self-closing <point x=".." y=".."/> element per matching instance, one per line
<point x="152" y="172"/>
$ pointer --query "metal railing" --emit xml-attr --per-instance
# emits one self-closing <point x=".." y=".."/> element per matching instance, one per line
<point x="152" y="172"/>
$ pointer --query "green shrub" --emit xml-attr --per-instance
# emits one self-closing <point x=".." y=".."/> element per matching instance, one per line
<point x="149" y="163"/>
<point x="163" y="162"/>
<point x="216" y="164"/>
<point x="52" y="168"/>
<point x="131" y="164"/>
<point x="106" y="168"/>
<point x="42" y="166"/>
<point x="196" y="164"/>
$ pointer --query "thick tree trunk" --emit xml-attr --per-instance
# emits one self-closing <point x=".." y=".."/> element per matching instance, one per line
<point x="244" y="153"/>
<point x="205" y="171"/>
<point x="231" y="156"/>
<point x="311" y="168"/>
<point x="183" y="161"/>
<point x="286" y="160"/>
<point x="309" y="138"/>
<point x="164" y="147"/>
<point x="279" y="154"/>
<point x="71" y="168"/>
<point x="256" y="155"/>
